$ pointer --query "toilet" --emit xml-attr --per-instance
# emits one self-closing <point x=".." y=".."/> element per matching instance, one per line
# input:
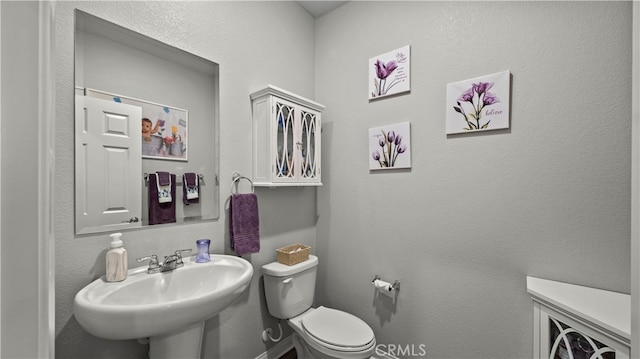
<point x="319" y="333"/>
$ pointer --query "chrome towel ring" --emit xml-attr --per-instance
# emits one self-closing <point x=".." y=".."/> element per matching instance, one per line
<point x="236" y="178"/>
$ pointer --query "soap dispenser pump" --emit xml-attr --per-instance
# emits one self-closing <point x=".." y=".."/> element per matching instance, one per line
<point x="116" y="259"/>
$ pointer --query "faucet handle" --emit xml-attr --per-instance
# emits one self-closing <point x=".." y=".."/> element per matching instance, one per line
<point x="179" y="262"/>
<point x="180" y="251"/>
<point x="154" y="265"/>
<point x="151" y="258"/>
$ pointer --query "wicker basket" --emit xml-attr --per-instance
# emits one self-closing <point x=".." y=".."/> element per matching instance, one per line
<point x="293" y="254"/>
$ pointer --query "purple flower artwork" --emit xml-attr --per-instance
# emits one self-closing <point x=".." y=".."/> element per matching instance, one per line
<point x="479" y="104"/>
<point x="382" y="72"/>
<point x="389" y="147"/>
<point x="478" y="97"/>
<point x="390" y="73"/>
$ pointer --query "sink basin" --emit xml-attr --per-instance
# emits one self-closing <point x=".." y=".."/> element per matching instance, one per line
<point x="147" y="305"/>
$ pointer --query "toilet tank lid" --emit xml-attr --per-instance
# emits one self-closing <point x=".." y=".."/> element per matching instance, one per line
<point x="278" y="269"/>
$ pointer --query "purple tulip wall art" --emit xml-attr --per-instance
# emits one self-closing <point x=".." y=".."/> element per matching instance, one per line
<point x="479" y="104"/>
<point x="477" y="97"/>
<point x="390" y="73"/>
<point x="389" y="147"/>
<point x="382" y="72"/>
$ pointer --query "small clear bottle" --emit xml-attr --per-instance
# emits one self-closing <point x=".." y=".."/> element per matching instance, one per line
<point x="116" y="260"/>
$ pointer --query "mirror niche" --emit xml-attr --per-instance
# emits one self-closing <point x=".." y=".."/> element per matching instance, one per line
<point x="125" y="82"/>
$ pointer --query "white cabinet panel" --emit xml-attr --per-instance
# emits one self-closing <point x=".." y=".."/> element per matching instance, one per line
<point x="577" y="322"/>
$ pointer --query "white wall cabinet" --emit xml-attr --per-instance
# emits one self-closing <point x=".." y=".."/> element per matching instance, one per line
<point x="286" y="139"/>
<point x="576" y="322"/>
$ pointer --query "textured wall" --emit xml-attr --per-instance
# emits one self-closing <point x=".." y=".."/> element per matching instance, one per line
<point x="255" y="43"/>
<point x="477" y="212"/>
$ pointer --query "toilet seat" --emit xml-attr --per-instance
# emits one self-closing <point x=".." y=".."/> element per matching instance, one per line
<point x="338" y="330"/>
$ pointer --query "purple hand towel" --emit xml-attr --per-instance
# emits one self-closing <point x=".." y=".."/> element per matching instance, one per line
<point x="190" y="188"/>
<point x="244" y="223"/>
<point x="164" y="178"/>
<point x="161" y="212"/>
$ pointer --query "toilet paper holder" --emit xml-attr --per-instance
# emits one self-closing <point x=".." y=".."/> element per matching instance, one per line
<point x="384" y="285"/>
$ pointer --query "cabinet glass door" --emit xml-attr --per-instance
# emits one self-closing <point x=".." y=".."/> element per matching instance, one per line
<point x="309" y="127"/>
<point x="568" y="343"/>
<point x="284" y="163"/>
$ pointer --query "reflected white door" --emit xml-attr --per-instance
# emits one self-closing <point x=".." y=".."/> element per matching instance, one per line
<point x="108" y="165"/>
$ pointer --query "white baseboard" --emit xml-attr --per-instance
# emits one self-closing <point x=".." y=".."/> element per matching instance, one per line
<point x="278" y="350"/>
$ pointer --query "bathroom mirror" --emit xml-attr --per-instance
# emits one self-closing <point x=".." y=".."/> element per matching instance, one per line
<point x="121" y="77"/>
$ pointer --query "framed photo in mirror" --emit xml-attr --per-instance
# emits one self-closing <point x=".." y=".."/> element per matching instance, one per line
<point x="164" y="128"/>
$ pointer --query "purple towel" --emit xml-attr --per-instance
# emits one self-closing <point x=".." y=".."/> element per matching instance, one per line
<point x="244" y="223"/>
<point x="164" y="178"/>
<point x="190" y="188"/>
<point x="161" y="212"/>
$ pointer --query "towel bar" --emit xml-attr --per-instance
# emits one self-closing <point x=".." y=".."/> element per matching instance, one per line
<point x="146" y="177"/>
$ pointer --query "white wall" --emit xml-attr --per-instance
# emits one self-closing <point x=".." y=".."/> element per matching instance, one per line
<point x="255" y="43"/>
<point x="476" y="213"/>
<point x="635" y="188"/>
<point x="19" y="171"/>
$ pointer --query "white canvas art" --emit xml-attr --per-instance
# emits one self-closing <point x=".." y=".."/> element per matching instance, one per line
<point x="390" y="73"/>
<point x="479" y="104"/>
<point x="390" y="146"/>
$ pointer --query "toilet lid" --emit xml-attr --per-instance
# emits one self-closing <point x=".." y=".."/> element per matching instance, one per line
<point x="337" y="328"/>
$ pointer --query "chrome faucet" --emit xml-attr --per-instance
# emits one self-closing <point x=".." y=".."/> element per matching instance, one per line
<point x="170" y="263"/>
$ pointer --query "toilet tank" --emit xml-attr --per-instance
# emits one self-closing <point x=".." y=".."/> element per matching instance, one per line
<point x="290" y="290"/>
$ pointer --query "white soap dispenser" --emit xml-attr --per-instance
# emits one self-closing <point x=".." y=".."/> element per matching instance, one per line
<point x="116" y="259"/>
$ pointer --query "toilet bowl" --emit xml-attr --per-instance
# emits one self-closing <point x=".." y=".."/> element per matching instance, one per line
<point x="331" y="333"/>
<point x="321" y="332"/>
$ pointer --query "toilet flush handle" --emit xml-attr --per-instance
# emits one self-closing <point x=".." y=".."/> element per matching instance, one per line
<point x="287" y="281"/>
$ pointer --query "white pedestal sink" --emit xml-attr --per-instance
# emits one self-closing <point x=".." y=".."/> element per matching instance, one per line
<point x="168" y="308"/>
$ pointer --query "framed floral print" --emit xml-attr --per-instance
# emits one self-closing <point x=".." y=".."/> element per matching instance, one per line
<point x="479" y="104"/>
<point x="390" y="146"/>
<point x="390" y="73"/>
